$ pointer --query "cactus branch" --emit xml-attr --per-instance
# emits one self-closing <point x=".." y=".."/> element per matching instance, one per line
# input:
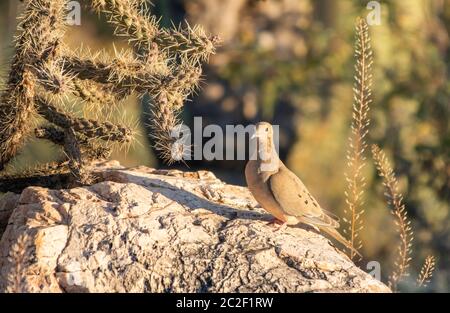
<point x="165" y="63"/>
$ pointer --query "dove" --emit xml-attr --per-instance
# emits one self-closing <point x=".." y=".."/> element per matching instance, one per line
<point x="281" y="193"/>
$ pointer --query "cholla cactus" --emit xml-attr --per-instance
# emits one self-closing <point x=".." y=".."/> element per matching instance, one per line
<point x="166" y="63"/>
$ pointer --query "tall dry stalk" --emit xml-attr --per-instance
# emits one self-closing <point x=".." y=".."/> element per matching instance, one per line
<point x="19" y="255"/>
<point x="426" y="272"/>
<point x="356" y="182"/>
<point x="395" y="200"/>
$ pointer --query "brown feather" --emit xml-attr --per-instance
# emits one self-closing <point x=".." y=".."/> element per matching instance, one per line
<point x="336" y="235"/>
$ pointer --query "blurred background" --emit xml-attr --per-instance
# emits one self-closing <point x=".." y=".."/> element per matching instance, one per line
<point x="290" y="62"/>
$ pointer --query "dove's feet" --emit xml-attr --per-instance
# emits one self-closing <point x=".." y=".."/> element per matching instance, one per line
<point x="277" y="224"/>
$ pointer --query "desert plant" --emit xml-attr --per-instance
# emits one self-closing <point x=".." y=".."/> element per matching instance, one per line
<point x="357" y="160"/>
<point x="404" y="229"/>
<point x="426" y="272"/>
<point x="165" y="63"/>
<point x="395" y="200"/>
<point x="18" y="256"/>
<point x="357" y="145"/>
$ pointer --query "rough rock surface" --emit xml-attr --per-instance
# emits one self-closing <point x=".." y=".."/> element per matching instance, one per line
<point x="146" y="230"/>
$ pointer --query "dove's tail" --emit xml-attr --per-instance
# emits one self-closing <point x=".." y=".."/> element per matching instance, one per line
<point x="336" y="235"/>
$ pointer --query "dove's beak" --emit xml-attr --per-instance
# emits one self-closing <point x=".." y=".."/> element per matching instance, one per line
<point x="255" y="135"/>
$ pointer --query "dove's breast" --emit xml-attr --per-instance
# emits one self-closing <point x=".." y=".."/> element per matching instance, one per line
<point x="261" y="191"/>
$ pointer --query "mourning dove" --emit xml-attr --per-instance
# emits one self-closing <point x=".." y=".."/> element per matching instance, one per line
<point x="281" y="193"/>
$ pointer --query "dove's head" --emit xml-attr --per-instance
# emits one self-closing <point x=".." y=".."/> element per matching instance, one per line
<point x="265" y="143"/>
<point x="264" y="132"/>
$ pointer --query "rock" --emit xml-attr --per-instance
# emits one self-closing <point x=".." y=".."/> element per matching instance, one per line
<point x="7" y="204"/>
<point x="147" y="230"/>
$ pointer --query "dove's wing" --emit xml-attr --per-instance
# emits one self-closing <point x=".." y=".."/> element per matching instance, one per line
<point x="295" y="200"/>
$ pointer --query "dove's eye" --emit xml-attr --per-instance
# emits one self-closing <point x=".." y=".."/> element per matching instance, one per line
<point x="267" y="129"/>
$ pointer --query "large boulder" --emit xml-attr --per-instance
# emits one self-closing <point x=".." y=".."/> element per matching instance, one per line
<point x="147" y="230"/>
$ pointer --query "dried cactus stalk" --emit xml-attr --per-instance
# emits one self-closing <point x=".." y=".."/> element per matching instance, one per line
<point x="125" y="77"/>
<point x="191" y="43"/>
<point x="41" y="31"/>
<point x="95" y="152"/>
<point x="95" y="96"/>
<point x="50" y="133"/>
<point x="90" y="128"/>
<point x="89" y="149"/>
<point x="165" y="120"/>
<point x="162" y="62"/>
<point x="131" y="18"/>
<point x="51" y="175"/>
<point x="184" y="81"/>
<point x="54" y="79"/>
<point x="16" y="108"/>
<point x="73" y="152"/>
<point x="166" y="105"/>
